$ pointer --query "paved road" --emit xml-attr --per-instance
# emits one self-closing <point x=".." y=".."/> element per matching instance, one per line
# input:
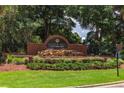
<point x="120" y="85"/>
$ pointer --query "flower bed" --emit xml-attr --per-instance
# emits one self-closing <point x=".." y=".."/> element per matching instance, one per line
<point x="57" y="53"/>
<point x="64" y="63"/>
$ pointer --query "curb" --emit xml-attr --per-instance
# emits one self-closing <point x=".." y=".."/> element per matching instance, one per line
<point x="95" y="85"/>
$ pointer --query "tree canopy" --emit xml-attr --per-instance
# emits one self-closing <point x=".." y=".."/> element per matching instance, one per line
<point x="22" y="24"/>
<point x="107" y="27"/>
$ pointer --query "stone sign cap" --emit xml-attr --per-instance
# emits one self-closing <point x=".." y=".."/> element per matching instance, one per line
<point x="56" y="42"/>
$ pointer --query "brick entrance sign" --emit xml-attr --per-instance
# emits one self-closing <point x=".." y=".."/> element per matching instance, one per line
<point x="56" y="42"/>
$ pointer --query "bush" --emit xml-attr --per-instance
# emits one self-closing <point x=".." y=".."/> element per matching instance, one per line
<point x="111" y="63"/>
<point x="16" y="60"/>
<point x="2" y="58"/>
<point x="122" y="54"/>
<point x="66" y="64"/>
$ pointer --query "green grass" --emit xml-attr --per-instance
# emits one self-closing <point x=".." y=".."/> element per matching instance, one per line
<point x="28" y="79"/>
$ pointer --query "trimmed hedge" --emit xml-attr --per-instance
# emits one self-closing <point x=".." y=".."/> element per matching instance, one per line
<point x="64" y="64"/>
<point x="16" y="60"/>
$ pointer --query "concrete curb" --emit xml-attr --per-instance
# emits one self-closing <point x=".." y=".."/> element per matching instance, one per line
<point x="95" y="85"/>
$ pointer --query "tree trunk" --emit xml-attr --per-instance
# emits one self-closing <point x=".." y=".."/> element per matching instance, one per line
<point x="46" y="31"/>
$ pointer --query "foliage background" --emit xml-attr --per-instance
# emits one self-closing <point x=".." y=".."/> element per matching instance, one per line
<point x="22" y="24"/>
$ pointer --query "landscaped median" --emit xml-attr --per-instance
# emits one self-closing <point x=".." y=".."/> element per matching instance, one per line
<point x="48" y="79"/>
<point x="87" y="63"/>
<point x="64" y="63"/>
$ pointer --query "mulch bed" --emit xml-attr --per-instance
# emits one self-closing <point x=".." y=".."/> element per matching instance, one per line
<point x="12" y="67"/>
<point x="122" y="66"/>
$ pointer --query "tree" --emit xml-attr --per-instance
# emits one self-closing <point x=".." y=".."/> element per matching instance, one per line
<point x="101" y="20"/>
<point x="12" y="31"/>
<point x="19" y="24"/>
<point x="49" y="20"/>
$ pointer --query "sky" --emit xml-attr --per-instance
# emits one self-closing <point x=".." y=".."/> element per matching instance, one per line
<point x="82" y="32"/>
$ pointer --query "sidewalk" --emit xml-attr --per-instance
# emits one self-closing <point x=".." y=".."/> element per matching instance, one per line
<point x="118" y="84"/>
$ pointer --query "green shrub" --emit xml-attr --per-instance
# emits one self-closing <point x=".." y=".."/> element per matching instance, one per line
<point x="16" y="60"/>
<point x="34" y="66"/>
<point x="122" y="54"/>
<point x="19" y="60"/>
<point x="2" y="58"/>
<point x="111" y="63"/>
<point x="37" y="58"/>
<point x="9" y="58"/>
<point x="66" y="64"/>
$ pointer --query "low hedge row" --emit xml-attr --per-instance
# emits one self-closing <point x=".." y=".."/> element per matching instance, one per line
<point x="22" y="60"/>
<point x="64" y="64"/>
<point x="16" y="60"/>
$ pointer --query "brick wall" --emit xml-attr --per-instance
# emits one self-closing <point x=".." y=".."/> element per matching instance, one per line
<point x="78" y="47"/>
<point x="33" y="48"/>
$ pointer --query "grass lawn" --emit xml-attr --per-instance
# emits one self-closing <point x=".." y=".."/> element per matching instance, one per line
<point x="22" y="79"/>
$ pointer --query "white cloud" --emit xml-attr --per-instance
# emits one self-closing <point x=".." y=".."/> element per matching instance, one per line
<point x="78" y="29"/>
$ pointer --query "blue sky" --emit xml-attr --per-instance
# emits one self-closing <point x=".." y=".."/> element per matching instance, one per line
<point x="82" y="32"/>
